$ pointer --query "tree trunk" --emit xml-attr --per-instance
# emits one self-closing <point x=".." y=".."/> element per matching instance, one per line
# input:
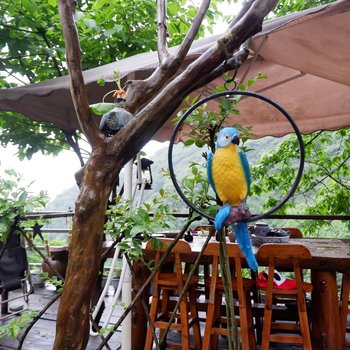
<point x="72" y="326"/>
<point x="153" y="101"/>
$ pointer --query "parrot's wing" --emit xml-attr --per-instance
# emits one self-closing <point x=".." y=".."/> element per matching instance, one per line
<point x="245" y="166"/>
<point x="209" y="170"/>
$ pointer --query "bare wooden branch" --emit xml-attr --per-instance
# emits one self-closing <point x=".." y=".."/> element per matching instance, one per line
<point x="141" y="91"/>
<point x="162" y="31"/>
<point x="245" y="7"/>
<point x="191" y="34"/>
<point x="73" y="56"/>
<point x="232" y="63"/>
<point x="159" y="110"/>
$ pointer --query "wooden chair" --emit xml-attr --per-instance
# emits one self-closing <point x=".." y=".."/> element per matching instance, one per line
<point x="243" y="287"/>
<point x="166" y="284"/>
<point x="203" y="269"/>
<point x="344" y="308"/>
<point x="274" y="331"/>
<point x="294" y="232"/>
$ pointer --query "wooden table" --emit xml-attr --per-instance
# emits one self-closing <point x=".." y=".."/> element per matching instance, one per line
<point x="328" y="257"/>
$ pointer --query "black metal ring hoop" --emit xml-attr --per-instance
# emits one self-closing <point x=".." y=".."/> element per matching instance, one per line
<point x="242" y="93"/>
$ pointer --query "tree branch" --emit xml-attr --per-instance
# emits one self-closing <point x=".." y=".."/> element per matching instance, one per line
<point x="54" y="60"/>
<point x="141" y="91"/>
<point x="159" y="110"/>
<point x="162" y="31"/>
<point x="191" y="34"/>
<point x="71" y="137"/>
<point x="245" y="7"/>
<point x="232" y="63"/>
<point x="73" y="57"/>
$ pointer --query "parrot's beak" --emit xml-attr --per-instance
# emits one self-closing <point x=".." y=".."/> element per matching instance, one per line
<point x="235" y="140"/>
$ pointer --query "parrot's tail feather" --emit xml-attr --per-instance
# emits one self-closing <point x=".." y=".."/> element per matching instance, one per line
<point x="243" y="240"/>
<point x="221" y="217"/>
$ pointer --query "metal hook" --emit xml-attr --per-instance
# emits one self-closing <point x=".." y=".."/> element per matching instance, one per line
<point x="232" y="79"/>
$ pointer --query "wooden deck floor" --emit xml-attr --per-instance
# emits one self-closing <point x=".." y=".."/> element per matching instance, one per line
<point x="41" y="336"/>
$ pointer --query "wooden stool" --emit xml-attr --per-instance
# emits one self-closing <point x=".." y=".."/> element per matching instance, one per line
<point x="344" y="307"/>
<point x="165" y="284"/>
<point x="271" y="252"/>
<point x="243" y="287"/>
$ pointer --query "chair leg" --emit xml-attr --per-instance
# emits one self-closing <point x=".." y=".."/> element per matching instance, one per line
<point x="214" y="339"/>
<point x="164" y="309"/>
<point x="246" y="329"/>
<point x="304" y="325"/>
<point x="3" y="297"/>
<point x="344" y="306"/>
<point x="206" y="275"/>
<point x="185" y="334"/>
<point x="267" y="325"/>
<point x="257" y="318"/>
<point x="208" y="325"/>
<point x="194" y="316"/>
<point x="251" y="328"/>
<point x="153" y="315"/>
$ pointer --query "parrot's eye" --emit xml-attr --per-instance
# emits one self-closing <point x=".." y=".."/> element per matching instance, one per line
<point x="227" y="136"/>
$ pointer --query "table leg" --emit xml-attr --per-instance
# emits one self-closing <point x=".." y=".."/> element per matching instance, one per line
<point x="139" y="320"/>
<point x="325" y="312"/>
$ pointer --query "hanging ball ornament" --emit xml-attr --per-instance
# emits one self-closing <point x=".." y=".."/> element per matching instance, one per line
<point x="114" y="120"/>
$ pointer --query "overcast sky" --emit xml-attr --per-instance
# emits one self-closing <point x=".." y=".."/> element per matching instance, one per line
<point x="51" y="174"/>
<point x="55" y="174"/>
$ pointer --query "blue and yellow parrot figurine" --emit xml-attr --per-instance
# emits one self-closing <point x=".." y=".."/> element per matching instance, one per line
<point x="229" y="175"/>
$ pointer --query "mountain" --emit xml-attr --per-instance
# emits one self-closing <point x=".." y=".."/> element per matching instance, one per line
<point x="182" y="157"/>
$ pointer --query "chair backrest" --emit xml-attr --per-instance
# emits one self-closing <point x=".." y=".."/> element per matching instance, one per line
<point x="204" y="228"/>
<point x="294" y="232"/>
<point x="279" y="251"/>
<point x="160" y="245"/>
<point x="234" y="252"/>
<point x="283" y="251"/>
<point x="13" y="263"/>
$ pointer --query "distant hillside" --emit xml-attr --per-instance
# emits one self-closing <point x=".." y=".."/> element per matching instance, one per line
<point x="64" y="201"/>
<point x="182" y="157"/>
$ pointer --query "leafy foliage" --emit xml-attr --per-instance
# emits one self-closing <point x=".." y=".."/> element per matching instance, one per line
<point x="30" y="136"/>
<point x="54" y="280"/>
<point x="285" y="7"/>
<point x="324" y="188"/>
<point x="32" y="50"/>
<point x="135" y="225"/>
<point x="204" y="123"/>
<point x="15" y="202"/>
<point x="16" y="325"/>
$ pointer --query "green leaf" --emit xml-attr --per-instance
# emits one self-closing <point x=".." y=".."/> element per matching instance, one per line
<point x="101" y="108"/>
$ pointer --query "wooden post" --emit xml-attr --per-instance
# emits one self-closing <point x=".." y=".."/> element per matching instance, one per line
<point x="325" y="311"/>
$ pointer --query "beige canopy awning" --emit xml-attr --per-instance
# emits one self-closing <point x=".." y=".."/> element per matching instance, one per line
<point x="305" y="55"/>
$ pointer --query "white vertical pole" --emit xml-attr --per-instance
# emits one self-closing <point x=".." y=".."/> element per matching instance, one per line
<point x="126" y="290"/>
<point x="128" y="180"/>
